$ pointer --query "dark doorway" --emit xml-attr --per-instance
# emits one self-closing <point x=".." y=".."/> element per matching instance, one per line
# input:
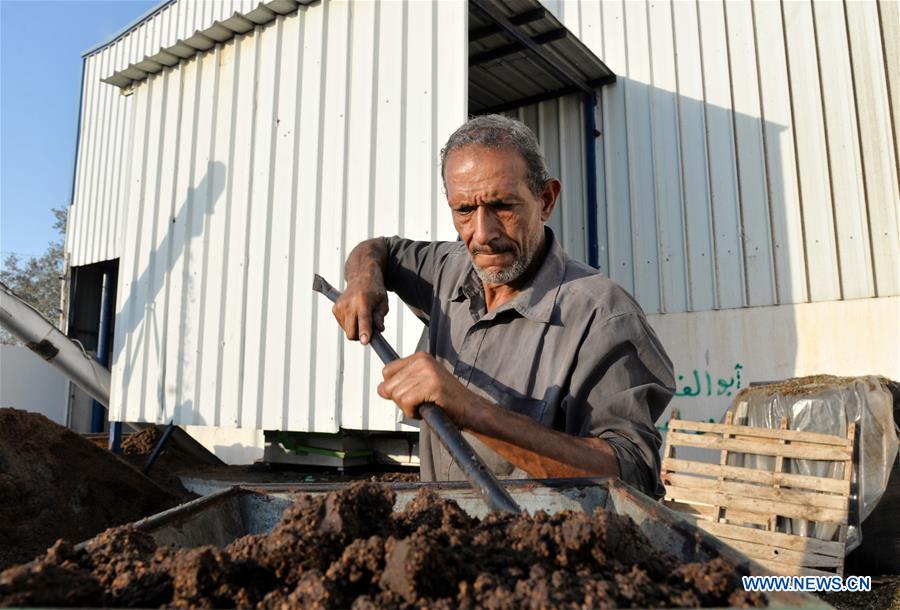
<point x="91" y="321"/>
<point x="85" y="299"/>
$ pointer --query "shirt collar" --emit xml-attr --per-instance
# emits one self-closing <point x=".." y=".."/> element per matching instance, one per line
<point x="536" y="300"/>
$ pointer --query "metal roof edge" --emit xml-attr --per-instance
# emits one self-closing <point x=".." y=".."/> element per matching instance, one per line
<point x="133" y="25"/>
<point x="203" y="40"/>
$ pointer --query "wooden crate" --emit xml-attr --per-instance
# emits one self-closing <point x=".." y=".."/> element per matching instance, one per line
<point x="742" y="506"/>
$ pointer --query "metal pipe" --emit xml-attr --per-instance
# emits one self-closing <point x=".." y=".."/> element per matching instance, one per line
<point x="159" y="446"/>
<point x="590" y="161"/>
<point x="43" y="338"/>
<point x="478" y="474"/>
<point x="98" y="413"/>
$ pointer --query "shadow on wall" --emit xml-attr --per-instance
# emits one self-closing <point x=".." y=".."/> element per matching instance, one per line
<point x="698" y="210"/>
<point x="729" y="231"/>
<point x="140" y="322"/>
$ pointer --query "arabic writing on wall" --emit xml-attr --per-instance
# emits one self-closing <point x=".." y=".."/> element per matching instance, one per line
<point x="700" y="383"/>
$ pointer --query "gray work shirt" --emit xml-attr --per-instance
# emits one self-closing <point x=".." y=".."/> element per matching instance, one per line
<point x="572" y="351"/>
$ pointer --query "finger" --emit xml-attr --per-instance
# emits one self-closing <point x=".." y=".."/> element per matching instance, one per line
<point x="392" y="368"/>
<point x="364" y="322"/>
<point x="411" y="387"/>
<point x="398" y="381"/>
<point x="408" y="397"/>
<point x="349" y="324"/>
<point x="345" y="319"/>
<point x="381" y="313"/>
<point x="408" y="410"/>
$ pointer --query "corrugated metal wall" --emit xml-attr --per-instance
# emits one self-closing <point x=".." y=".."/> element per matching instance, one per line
<point x="559" y="126"/>
<point x="748" y="157"/>
<point x="749" y="154"/>
<point x="255" y="165"/>
<point x="101" y="174"/>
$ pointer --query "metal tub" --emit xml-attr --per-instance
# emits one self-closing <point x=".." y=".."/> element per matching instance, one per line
<point x="222" y="516"/>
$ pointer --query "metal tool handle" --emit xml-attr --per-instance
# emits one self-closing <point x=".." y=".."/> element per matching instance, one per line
<point x="478" y="474"/>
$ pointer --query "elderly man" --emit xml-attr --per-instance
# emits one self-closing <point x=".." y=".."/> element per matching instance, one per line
<point x="548" y="367"/>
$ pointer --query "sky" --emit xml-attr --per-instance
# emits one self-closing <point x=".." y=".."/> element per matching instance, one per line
<point x="41" y="44"/>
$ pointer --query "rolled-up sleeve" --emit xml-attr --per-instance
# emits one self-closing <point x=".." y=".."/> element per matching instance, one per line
<point x="621" y="384"/>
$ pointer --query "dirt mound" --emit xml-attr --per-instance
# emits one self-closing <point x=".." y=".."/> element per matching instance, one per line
<point x="347" y="549"/>
<point x="171" y="461"/>
<point x="141" y="443"/>
<point x="55" y="484"/>
<point x="395" y="477"/>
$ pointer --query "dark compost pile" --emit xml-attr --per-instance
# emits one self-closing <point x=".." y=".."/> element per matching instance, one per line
<point x="56" y="484"/>
<point x="348" y="549"/>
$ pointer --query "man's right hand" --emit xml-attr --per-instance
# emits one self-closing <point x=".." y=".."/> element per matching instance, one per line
<point x="361" y="309"/>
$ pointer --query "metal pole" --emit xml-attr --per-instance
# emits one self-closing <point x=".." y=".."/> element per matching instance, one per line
<point x="159" y="446"/>
<point x="98" y="413"/>
<point x="590" y="161"/>
<point x="478" y="474"/>
<point x="48" y="342"/>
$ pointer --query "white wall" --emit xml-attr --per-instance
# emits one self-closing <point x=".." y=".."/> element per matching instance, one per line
<point x="27" y="382"/>
<point x="733" y="174"/>
<point x="748" y="155"/>
<point x="102" y="176"/>
<point x="718" y="352"/>
<point x="253" y="166"/>
<point x="231" y="445"/>
<point x="560" y="129"/>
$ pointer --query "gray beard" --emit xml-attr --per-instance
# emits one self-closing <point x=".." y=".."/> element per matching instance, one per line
<point x="514" y="271"/>
<point x="507" y="275"/>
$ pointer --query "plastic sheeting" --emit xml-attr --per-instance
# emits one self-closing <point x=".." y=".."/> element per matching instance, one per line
<point x="828" y="405"/>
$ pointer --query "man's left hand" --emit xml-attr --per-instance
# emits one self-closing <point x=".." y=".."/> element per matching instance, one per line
<point x="418" y="379"/>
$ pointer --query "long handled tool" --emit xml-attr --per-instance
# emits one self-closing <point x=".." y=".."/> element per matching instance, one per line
<point x="481" y="478"/>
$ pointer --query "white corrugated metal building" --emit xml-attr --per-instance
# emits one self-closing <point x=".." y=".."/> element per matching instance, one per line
<point x="740" y="179"/>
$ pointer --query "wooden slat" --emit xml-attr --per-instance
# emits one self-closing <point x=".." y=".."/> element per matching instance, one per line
<point x="779" y="468"/>
<point x="776" y="442"/>
<point x="692" y="510"/>
<point x="749" y="490"/>
<point x="786" y="569"/>
<point x="775" y="539"/>
<point x="759" y="447"/>
<point x="848" y="475"/>
<point x="758" y="476"/>
<point x="723" y="460"/>
<point x="745" y="518"/>
<point x="710" y="514"/>
<point x="721" y="506"/>
<point x="777" y="434"/>
<point x="769" y="553"/>
<point x="785" y="509"/>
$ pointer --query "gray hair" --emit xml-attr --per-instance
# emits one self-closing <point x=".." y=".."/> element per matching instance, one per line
<point x="498" y="132"/>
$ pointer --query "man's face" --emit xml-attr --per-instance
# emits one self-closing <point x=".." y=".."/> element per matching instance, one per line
<point x="494" y="211"/>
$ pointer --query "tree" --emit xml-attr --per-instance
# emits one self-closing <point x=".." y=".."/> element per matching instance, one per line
<point x="37" y="279"/>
